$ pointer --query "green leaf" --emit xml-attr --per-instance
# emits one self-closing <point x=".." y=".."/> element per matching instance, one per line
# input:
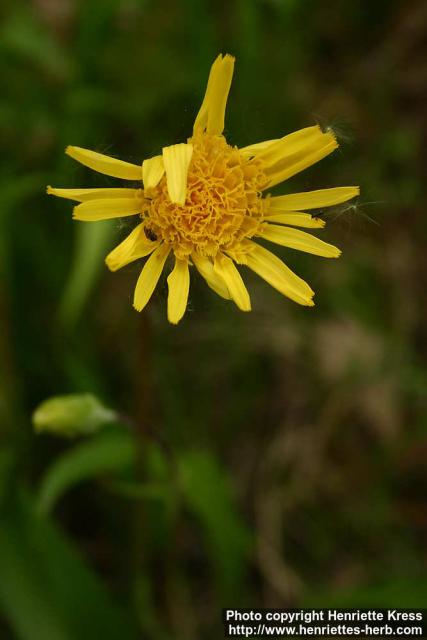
<point x="46" y="592"/>
<point x="208" y="496"/>
<point x="106" y="453"/>
<point x="92" y="244"/>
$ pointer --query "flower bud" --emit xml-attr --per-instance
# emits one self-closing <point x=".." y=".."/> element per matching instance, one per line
<point x="72" y="415"/>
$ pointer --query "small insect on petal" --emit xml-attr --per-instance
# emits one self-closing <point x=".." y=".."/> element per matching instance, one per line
<point x="135" y="246"/>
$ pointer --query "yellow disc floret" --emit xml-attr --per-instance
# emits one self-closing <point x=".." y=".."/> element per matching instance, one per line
<point x="223" y="204"/>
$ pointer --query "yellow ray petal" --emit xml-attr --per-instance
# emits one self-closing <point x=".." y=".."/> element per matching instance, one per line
<point x="149" y="276"/>
<point x="225" y="268"/>
<point x="136" y="245"/>
<point x="295" y="218"/>
<point x="104" y="209"/>
<point x="278" y="275"/>
<point x="206" y="269"/>
<point x="82" y="195"/>
<point x="176" y="160"/>
<point x="313" y="199"/>
<point x="290" y="144"/>
<point x="212" y="112"/>
<point x="105" y="164"/>
<point x="252" y="149"/>
<point x="315" y="150"/>
<point x="296" y="239"/>
<point x="179" y="285"/>
<point x="152" y="171"/>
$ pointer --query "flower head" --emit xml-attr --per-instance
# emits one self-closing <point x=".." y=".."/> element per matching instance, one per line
<point x="204" y="203"/>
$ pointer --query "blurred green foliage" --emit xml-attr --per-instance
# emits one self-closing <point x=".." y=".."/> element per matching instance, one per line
<point x="71" y="415"/>
<point x="268" y="459"/>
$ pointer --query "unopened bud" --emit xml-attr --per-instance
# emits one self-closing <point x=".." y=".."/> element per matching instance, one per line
<point x="72" y="415"/>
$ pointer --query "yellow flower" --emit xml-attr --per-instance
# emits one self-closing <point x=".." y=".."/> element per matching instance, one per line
<point x="202" y="201"/>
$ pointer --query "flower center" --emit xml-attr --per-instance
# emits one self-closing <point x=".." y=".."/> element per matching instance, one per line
<point x="223" y="203"/>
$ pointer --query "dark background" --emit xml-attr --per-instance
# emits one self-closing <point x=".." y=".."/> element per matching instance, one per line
<point x="295" y="438"/>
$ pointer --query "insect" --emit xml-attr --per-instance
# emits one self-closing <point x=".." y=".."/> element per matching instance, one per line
<point x="150" y="234"/>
